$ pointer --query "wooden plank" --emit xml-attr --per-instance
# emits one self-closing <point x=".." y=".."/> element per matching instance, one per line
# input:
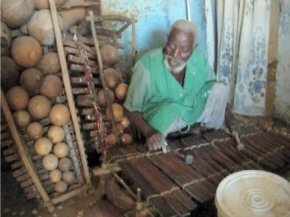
<point x="70" y="194"/>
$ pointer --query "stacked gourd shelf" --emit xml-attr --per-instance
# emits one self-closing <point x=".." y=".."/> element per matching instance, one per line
<point x="99" y="85"/>
<point x="37" y="121"/>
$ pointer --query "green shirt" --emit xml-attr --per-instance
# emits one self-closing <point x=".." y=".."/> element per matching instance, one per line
<point x="156" y="93"/>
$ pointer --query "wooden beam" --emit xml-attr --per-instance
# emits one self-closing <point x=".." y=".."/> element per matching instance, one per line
<point x="70" y="194"/>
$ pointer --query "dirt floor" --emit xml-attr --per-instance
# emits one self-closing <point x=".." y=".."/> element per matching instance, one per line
<point x="15" y="204"/>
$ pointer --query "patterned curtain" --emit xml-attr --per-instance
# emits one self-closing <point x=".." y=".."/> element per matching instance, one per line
<point x="242" y="29"/>
<point x="282" y="97"/>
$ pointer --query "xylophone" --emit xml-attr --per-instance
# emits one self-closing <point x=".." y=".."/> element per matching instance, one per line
<point x="174" y="188"/>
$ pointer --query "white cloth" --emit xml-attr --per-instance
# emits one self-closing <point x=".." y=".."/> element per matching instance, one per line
<point x="175" y="126"/>
<point x="213" y="115"/>
<point x="242" y="29"/>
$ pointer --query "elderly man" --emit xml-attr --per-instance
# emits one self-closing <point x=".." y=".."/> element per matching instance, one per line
<point x="173" y="88"/>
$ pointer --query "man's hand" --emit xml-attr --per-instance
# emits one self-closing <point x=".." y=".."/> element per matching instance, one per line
<point x="154" y="139"/>
<point x="155" y="142"/>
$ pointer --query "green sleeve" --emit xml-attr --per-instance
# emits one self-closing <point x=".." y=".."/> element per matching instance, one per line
<point x="139" y="91"/>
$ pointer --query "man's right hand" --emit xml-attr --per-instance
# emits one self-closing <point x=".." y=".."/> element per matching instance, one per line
<point x="154" y="139"/>
<point x="155" y="142"/>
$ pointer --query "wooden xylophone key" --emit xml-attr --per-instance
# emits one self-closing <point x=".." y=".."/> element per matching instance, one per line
<point x="269" y="149"/>
<point x="152" y="195"/>
<point x="153" y="174"/>
<point x="166" y="164"/>
<point x="281" y="138"/>
<point x="203" y="167"/>
<point x="137" y="177"/>
<point x="278" y="143"/>
<point x="167" y="185"/>
<point x="176" y="204"/>
<point x="262" y="156"/>
<point x="185" y="176"/>
<point x="163" y="208"/>
<point x="202" y="155"/>
<point x="190" y="204"/>
<point x="175" y="144"/>
<point x="190" y="141"/>
<point x="230" y="150"/>
<point x="222" y="159"/>
<point x="256" y="156"/>
<point x="217" y="135"/>
<point x="161" y="184"/>
<point x="246" y="163"/>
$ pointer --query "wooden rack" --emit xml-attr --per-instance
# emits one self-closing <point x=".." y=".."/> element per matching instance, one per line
<point x="18" y="147"/>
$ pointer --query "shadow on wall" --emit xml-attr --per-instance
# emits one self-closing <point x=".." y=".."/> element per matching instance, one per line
<point x="157" y="40"/>
<point x="154" y="19"/>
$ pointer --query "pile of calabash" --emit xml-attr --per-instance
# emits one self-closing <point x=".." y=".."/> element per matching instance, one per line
<point x="116" y="91"/>
<point x="31" y="81"/>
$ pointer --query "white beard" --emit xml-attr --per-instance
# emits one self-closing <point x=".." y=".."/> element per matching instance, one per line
<point x="177" y="68"/>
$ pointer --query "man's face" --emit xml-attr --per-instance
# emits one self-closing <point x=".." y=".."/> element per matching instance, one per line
<point x="178" y="49"/>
